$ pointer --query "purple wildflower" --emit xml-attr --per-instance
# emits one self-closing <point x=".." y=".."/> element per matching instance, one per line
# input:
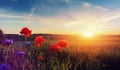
<point x="28" y="43"/>
<point x="8" y="42"/>
<point x="5" y="67"/>
<point x="21" y="53"/>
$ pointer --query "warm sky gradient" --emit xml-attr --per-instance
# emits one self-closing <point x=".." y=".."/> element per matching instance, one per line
<point x="60" y="16"/>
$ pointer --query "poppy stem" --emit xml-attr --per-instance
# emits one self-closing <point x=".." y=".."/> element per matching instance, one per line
<point x="36" y="62"/>
<point x="25" y="41"/>
<point x="7" y="51"/>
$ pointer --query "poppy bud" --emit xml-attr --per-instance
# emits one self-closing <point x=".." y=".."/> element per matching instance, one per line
<point x="40" y="58"/>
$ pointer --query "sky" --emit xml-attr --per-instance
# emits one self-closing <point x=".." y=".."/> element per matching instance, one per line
<point x="60" y="16"/>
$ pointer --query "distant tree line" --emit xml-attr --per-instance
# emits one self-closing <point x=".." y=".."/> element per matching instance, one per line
<point x="17" y="37"/>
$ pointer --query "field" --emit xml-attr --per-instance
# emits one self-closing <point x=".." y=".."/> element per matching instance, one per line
<point x="100" y="53"/>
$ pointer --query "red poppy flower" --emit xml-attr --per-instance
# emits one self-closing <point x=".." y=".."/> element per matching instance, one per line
<point x="39" y="40"/>
<point x="40" y="58"/>
<point x="26" y="32"/>
<point x="56" y="48"/>
<point x="62" y="43"/>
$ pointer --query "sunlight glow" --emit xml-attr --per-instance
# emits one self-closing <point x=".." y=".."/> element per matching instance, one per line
<point x="88" y="34"/>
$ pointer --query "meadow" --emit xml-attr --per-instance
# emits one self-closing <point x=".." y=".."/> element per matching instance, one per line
<point x="99" y="53"/>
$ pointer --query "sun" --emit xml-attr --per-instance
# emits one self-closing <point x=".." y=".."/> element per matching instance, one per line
<point x="88" y="34"/>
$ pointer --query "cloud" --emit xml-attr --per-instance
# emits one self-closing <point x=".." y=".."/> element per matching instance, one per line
<point x="101" y="8"/>
<point x="67" y="1"/>
<point x="10" y="16"/>
<point x="86" y="5"/>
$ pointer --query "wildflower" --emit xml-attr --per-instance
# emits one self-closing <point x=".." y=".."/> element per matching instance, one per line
<point x="39" y="40"/>
<point x="62" y="43"/>
<point x="8" y="42"/>
<point x="26" y="32"/>
<point x="40" y="58"/>
<point x="56" y="48"/>
<point x="28" y="43"/>
<point x="21" y="53"/>
<point x="5" y="67"/>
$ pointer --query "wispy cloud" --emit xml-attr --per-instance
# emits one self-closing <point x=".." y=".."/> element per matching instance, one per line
<point x="10" y="16"/>
<point x="87" y="5"/>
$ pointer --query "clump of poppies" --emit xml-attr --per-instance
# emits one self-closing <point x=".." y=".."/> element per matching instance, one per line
<point x="58" y="47"/>
<point x="39" y="40"/>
